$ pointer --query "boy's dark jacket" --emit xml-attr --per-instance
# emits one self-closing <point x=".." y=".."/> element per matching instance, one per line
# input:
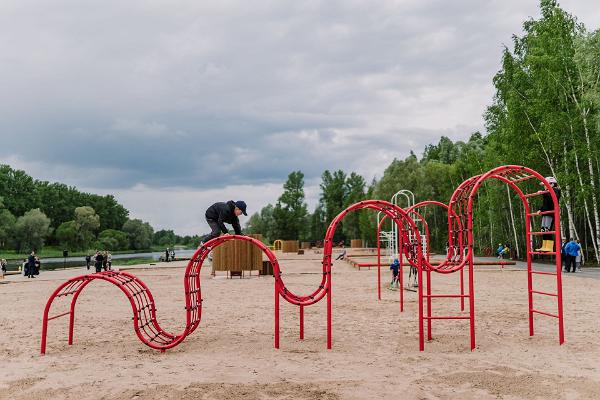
<point x="224" y="212"/>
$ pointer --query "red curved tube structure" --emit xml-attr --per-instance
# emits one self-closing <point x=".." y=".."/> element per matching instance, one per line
<point x="460" y="234"/>
<point x="145" y="322"/>
<point x="460" y="239"/>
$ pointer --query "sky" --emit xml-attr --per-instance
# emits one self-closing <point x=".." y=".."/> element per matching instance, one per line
<point x="173" y="105"/>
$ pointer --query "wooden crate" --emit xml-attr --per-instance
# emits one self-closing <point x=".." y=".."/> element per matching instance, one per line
<point x="237" y="256"/>
<point x="356" y="244"/>
<point x="289" y="246"/>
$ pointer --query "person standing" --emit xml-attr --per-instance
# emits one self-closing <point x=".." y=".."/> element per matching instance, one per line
<point x="88" y="260"/>
<point x="219" y="214"/>
<point x="3" y="264"/>
<point x="109" y="260"/>
<point x="98" y="261"/>
<point x="31" y="265"/>
<point x="571" y="250"/>
<point x="167" y="253"/>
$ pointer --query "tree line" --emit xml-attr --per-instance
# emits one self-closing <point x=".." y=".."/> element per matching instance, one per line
<point x="36" y="213"/>
<point x="545" y="114"/>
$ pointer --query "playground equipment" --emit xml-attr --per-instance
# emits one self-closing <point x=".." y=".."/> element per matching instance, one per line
<point x="145" y="322"/>
<point x="460" y="233"/>
<point x="390" y="238"/>
<point x="237" y="256"/>
<point x="290" y="246"/>
<point x="460" y="243"/>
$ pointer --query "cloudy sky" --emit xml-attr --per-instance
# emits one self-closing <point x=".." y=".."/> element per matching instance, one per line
<point x="172" y="105"/>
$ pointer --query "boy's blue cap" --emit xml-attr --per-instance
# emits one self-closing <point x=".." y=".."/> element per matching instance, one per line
<point x="242" y="206"/>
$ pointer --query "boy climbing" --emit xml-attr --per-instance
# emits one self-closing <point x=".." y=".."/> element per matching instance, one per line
<point x="220" y="213"/>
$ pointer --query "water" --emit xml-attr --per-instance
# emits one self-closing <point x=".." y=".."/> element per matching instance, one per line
<point x="59" y="262"/>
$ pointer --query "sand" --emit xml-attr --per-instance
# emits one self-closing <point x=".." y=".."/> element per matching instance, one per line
<point x="231" y="355"/>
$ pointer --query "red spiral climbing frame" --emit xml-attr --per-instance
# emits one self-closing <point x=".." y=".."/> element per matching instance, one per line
<point x="145" y="322"/>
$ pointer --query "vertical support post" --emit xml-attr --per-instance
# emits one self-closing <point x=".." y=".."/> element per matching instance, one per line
<point x="378" y="262"/>
<point x="44" y="333"/>
<point x="428" y="305"/>
<point x="529" y="248"/>
<point x="276" y="316"/>
<point x="561" y="328"/>
<point x="301" y="322"/>
<point x="329" y="311"/>
<point x="462" y="290"/>
<point x="401" y="273"/>
<point x="420" y="305"/>
<point x="471" y="302"/>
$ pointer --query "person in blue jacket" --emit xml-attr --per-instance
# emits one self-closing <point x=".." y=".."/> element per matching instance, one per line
<point x="394" y="268"/>
<point x="572" y="249"/>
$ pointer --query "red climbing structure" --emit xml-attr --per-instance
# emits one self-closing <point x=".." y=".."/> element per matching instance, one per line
<point x="145" y="322"/>
<point x="525" y="183"/>
<point x="460" y="239"/>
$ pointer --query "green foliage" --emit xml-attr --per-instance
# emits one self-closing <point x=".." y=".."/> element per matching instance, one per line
<point x="139" y="233"/>
<point x="290" y="212"/>
<point x="67" y="236"/>
<point x="58" y="201"/>
<point x="7" y="225"/>
<point x="165" y="238"/>
<point x="111" y="239"/>
<point x="31" y="230"/>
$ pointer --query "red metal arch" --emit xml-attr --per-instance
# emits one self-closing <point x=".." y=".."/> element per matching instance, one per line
<point x="142" y="303"/>
<point x="460" y="228"/>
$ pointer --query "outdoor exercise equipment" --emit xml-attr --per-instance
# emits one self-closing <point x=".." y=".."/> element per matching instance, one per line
<point x="145" y="322"/>
<point x="460" y="241"/>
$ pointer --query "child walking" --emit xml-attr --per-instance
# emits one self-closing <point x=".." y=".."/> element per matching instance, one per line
<point x="394" y="268"/>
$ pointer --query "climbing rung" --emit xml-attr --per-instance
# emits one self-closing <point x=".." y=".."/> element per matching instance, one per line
<point x="544" y="313"/>
<point x="541" y="192"/>
<point x="543" y="273"/>
<point x="454" y="317"/>
<point x="548" y="253"/>
<point x="446" y="295"/>
<point x="543" y="233"/>
<point x="59" y="315"/>
<point x="544" y="293"/>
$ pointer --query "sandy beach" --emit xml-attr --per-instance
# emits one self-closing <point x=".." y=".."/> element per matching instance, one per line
<point x="231" y="355"/>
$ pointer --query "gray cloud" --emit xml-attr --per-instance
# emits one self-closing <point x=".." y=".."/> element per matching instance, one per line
<point x="109" y="95"/>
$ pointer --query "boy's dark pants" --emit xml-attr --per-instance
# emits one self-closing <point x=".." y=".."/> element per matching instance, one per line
<point x="215" y="230"/>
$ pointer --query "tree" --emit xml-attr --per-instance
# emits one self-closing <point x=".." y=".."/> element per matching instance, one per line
<point x="68" y="236"/>
<point x="290" y="212"/>
<point x="111" y="239"/>
<point x="139" y="233"/>
<point x="31" y="230"/>
<point x="355" y="192"/>
<point x="86" y="223"/>
<point x="333" y="192"/>
<point x="7" y="225"/>
<point x="166" y="238"/>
